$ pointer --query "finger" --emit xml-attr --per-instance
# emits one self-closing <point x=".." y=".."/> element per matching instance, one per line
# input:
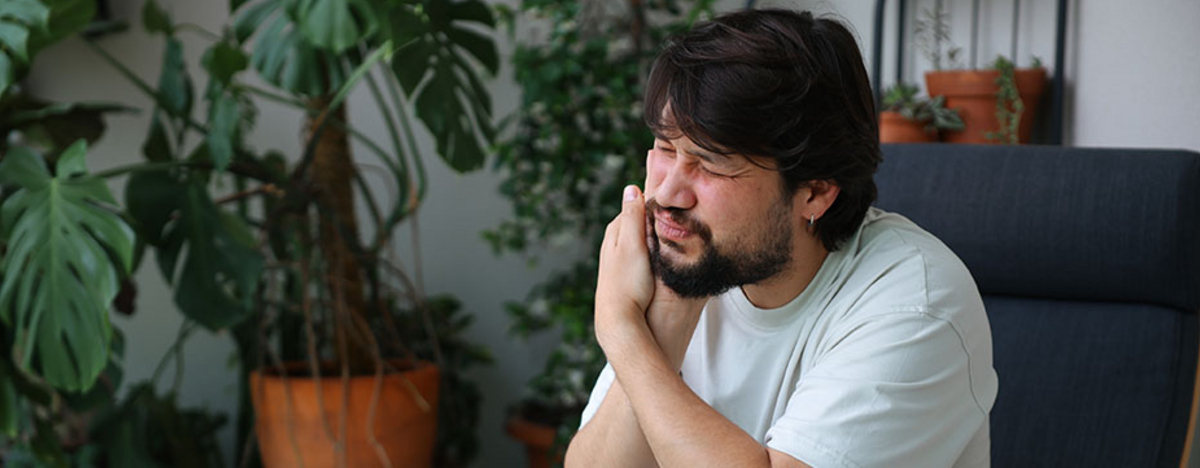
<point x="633" y="219"/>
<point x="612" y="231"/>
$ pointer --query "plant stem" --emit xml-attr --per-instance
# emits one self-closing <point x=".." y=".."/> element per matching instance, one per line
<point x="141" y="84"/>
<point x="185" y="329"/>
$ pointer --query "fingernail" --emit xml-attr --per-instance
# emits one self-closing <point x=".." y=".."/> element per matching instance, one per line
<point x="630" y="192"/>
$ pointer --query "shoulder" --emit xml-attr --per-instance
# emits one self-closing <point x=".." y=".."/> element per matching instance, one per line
<point x="892" y="266"/>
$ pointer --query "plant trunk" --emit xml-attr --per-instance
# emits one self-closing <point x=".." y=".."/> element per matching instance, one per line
<point x="332" y="175"/>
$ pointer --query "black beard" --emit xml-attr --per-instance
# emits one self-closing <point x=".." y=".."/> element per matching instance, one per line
<point x="718" y="271"/>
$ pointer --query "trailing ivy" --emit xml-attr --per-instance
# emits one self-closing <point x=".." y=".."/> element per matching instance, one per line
<point x="1009" y="105"/>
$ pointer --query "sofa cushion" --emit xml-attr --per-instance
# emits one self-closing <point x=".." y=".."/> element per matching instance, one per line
<point x="1059" y="223"/>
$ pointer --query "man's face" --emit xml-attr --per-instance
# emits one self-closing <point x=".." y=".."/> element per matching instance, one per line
<point x="718" y="221"/>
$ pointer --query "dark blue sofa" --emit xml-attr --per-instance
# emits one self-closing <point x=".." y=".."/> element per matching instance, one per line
<point x="1089" y="263"/>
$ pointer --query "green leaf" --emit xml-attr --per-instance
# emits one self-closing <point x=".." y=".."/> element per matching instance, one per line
<point x="32" y="13"/>
<point x="235" y="4"/>
<point x="223" y="60"/>
<point x="472" y="10"/>
<point x="151" y="199"/>
<point x="174" y="84"/>
<point x="15" y="38"/>
<point x="480" y="46"/>
<point x="410" y="64"/>
<point x="157" y="147"/>
<point x="64" y="258"/>
<point x="222" y="130"/>
<point x="6" y="73"/>
<point x="283" y="57"/>
<point x="214" y="272"/>
<point x="66" y="18"/>
<point x="330" y="25"/>
<point x="440" y="108"/>
<point x="247" y="22"/>
<point x="155" y="19"/>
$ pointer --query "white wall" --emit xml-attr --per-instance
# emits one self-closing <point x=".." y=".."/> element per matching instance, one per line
<point x="1112" y="45"/>
<point x="1132" y="68"/>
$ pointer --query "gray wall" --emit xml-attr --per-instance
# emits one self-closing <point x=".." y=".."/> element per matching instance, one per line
<point x="1113" y="44"/>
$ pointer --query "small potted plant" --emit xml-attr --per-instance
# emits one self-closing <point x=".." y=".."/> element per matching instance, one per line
<point x="974" y="92"/>
<point x="908" y="119"/>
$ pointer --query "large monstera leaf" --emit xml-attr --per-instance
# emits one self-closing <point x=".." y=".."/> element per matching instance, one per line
<point x="307" y="47"/>
<point x="61" y="264"/>
<point x="298" y="44"/>
<point x="437" y="68"/>
<point x="206" y="254"/>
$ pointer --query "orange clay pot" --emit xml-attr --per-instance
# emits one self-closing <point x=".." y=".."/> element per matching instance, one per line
<point x="973" y="94"/>
<point x="538" y="440"/>
<point x="895" y="128"/>
<point x="403" y="427"/>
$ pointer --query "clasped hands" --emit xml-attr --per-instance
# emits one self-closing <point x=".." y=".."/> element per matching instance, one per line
<point x="631" y="304"/>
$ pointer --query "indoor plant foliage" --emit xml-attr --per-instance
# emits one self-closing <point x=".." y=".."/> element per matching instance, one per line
<point x="908" y="119"/>
<point x="64" y="252"/>
<point x="269" y="247"/>
<point x="984" y="98"/>
<point x="577" y="139"/>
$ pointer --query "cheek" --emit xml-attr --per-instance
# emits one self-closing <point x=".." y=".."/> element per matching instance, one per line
<point x="656" y="170"/>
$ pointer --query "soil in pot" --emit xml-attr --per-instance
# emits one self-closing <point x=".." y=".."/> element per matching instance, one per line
<point x="895" y="128"/>
<point x="973" y="94"/>
<point x="289" y="429"/>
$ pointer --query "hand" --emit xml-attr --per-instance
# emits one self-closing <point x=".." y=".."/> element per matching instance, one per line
<point x="625" y="287"/>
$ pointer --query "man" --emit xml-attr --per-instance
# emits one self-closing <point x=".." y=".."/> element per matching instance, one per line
<point x="754" y="308"/>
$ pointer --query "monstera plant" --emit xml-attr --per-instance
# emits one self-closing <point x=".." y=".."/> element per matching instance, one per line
<point x="266" y="245"/>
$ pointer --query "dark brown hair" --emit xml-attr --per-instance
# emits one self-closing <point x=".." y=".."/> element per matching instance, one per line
<point x="776" y="84"/>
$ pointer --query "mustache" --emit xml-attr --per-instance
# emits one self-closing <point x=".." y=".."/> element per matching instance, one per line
<point x="678" y="216"/>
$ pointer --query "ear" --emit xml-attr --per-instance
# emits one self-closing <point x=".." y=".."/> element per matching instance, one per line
<point x="815" y="198"/>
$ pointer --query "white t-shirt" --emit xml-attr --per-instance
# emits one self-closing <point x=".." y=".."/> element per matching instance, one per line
<point x="885" y="359"/>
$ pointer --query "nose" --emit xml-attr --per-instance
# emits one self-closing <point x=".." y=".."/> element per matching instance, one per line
<point x="675" y="188"/>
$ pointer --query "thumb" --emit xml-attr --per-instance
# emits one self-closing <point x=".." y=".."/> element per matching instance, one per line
<point x="633" y="217"/>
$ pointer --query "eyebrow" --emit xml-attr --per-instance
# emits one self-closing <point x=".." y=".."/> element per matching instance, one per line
<point x="700" y="153"/>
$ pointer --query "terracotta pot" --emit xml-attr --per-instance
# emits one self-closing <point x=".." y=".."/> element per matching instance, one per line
<point x="895" y="128"/>
<point x="404" y="428"/>
<point x="973" y="94"/>
<point x="538" y="439"/>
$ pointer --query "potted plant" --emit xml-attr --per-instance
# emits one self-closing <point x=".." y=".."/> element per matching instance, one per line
<point x="577" y="139"/>
<point x="974" y="93"/>
<point x="908" y="119"/>
<point x="269" y="247"/>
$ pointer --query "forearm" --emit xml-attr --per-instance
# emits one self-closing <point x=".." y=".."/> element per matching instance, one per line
<point x="680" y="428"/>
<point x="612" y="437"/>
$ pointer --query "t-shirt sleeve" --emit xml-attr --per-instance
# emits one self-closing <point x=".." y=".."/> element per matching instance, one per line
<point x="603" y="382"/>
<point x="894" y="390"/>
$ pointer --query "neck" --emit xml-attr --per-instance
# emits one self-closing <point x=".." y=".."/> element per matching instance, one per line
<point x="808" y="254"/>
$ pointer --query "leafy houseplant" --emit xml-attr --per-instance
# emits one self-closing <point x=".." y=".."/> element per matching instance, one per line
<point x="908" y="119"/>
<point x="578" y="138"/>
<point x="63" y="255"/>
<point x="975" y="93"/>
<point x="268" y="248"/>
